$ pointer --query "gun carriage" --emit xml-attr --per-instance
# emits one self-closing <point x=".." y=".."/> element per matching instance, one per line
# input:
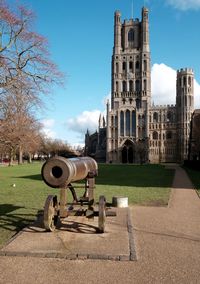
<point x="59" y="172"/>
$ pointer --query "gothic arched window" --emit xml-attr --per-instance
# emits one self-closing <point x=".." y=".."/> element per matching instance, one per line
<point x="131" y="66"/>
<point x="131" y="86"/>
<point x="137" y="65"/>
<point x="117" y="86"/>
<point x="117" y="67"/>
<point x="155" y="117"/>
<point x="145" y="65"/>
<point x="145" y="84"/>
<point x="131" y="35"/>
<point x="155" y="135"/>
<point x="169" y="135"/>
<point x="130" y="38"/>
<point x="128" y="123"/>
<point x="184" y="81"/>
<point x="124" y="86"/>
<point x="169" y="116"/>
<point x="124" y="66"/>
<point x="137" y="85"/>
<point x="116" y="121"/>
<point x="133" y="122"/>
<point x="122" y="123"/>
<point x="189" y="81"/>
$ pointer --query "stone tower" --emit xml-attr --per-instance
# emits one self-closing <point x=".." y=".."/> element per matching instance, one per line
<point x="127" y="117"/>
<point x="136" y="131"/>
<point x="185" y="108"/>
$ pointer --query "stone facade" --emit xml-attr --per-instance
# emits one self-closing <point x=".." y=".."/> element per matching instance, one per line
<point x="136" y="131"/>
<point x="194" y="145"/>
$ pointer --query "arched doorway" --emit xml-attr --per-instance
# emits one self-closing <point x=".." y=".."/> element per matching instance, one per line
<point x="128" y="152"/>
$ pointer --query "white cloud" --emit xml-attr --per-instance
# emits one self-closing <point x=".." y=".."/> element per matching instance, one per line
<point x="48" y="124"/>
<point x="185" y="4"/>
<point x="85" y="120"/>
<point x="49" y="133"/>
<point x="196" y="94"/>
<point x="78" y="145"/>
<point x="163" y="79"/>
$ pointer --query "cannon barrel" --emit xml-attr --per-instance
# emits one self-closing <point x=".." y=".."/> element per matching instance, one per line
<point x="59" y="171"/>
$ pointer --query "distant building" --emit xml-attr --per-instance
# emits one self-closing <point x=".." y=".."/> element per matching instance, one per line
<point x="135" y="130"/>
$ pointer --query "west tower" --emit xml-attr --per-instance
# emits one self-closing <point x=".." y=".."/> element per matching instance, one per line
<point x="185" y="108"/>
<point x="127" y="117"/>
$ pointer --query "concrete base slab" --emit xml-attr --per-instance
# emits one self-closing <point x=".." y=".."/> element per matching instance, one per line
<point x="77" y="238"/>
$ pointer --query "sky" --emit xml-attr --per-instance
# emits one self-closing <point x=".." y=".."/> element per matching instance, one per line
<point x="81" y="34"/>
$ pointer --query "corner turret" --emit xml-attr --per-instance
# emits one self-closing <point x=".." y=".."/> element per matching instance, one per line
<point x="145" y="29"/>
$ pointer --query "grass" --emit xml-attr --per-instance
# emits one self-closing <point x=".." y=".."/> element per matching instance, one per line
<point x="144" y="185"/>
<point x="19" y="205"/>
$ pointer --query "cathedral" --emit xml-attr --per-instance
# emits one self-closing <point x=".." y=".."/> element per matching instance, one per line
<point x="135" y="130"/>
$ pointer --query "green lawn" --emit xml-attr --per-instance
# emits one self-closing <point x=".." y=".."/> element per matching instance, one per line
<point x="19" y="205"/>
<point x="144" y="185"/>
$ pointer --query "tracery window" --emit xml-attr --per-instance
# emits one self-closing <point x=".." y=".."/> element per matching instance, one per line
<point x="145" y="65"/>
<point x="155" y="117"/>
<point x="131" y="66"/>
<point x="124" y="86"/>
<point x="124" y="66"/>
<point x="131" y="35"/>
<point x="130" y="38"/>
<point x="189" y="81"/>
<point x="137" y="65"/>
<point x="117" y="86"/>
<point x="128" y="123"/>
<point x="169" y="116"/>
<point x="122" y="123"/>
<point x="155" y="135"/>
<point x="137" y="85"/>
<point x="133" y="123"/>
<point x="145" y="84"/>
<point x="117" y="67"/>
<point x="169" y="135"/>
<point x="131" y="86"/>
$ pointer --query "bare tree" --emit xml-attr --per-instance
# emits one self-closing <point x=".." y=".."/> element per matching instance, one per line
<point x="18" y="132"/>
<point x="24" y="53"/>
<point x="26" y="72"/>
<point x="52" y="147"/>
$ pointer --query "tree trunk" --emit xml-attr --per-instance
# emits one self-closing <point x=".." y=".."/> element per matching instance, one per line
<point x="11" y="157"/>
<point x="29" y="158"/>
<point x="20" y="157"/>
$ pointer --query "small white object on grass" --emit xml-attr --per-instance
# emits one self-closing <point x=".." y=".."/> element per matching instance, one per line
<point x="13" y="185"/>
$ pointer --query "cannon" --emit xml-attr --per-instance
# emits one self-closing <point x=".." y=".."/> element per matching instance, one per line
<point x="59" y="172"/>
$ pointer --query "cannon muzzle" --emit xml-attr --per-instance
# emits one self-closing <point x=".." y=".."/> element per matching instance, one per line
<point x="59" y="171"/>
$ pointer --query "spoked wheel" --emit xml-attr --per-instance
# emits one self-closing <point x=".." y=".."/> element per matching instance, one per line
<point x="51" y="213"/>
<point x="102" y="214"/>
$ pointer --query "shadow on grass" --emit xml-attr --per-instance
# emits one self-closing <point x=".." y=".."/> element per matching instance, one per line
<point x="7" y="208"/>
<point x="33" y="177"/>
<point x="13" y="221"/>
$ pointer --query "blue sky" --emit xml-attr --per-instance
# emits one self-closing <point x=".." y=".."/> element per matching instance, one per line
<point x="80" y="35"/>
